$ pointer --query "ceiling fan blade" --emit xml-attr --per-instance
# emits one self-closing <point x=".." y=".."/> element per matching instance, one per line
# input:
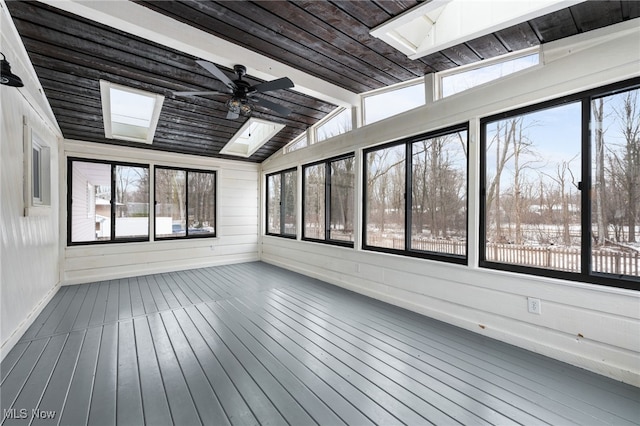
<point x="272" y="106"/>
<point x="281" y="83"/>
<point x="232" y="115"/>
<point x="199" y="93"/>
<point x="217" y="73"/>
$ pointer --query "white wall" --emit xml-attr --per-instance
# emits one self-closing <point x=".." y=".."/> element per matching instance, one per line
<point x="237" y="217"/>
<point x="591" y="326"/>
<point x="31" y="240"/>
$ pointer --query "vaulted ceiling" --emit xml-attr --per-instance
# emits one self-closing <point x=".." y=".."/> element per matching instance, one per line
<point x="316" y="41"/>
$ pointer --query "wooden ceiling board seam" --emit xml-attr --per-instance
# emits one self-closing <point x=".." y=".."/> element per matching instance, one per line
<point x="630" y="9"/>
<point x="360" y="34"/>
<point x="342" y="41"/>
<point x="595" y="15"/>
<point x="518" y="37"/>
<point x="109" y="37"/>
<point x="552" y="26"/>
<point x="396" y="7"/>
<point x="59" y="58"/>
<point x="363" y="12"/>
<point x="305" y="45"/>
<point x="360" y="11"/>
<point x="223" y="30"/>
<point x="118" y="60"/>
<point x="487" y="46"/>
<point x="461" y="54"/>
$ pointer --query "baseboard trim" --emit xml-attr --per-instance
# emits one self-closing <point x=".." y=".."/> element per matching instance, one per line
<point x="17" y="334"/>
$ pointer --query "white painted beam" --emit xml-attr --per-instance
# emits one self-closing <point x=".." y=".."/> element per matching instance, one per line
<point x="148" y="24"/>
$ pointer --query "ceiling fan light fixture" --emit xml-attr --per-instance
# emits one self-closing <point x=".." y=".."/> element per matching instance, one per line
<point x="234" y="104"/>
<point x="6" y="76"/>
<point x="246" y="109"/>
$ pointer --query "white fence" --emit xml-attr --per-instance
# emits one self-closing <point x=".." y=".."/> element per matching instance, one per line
<point x="606" y="260"/>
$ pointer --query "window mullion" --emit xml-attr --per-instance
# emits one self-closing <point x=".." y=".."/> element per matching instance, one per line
<point x="327" y="201"/>
<point x="113" y="202"/>
<point x="186" y="203"/>
<point x="585" y="189"/>
<point x="282" y="202"/>
<point x="408" y="194"/>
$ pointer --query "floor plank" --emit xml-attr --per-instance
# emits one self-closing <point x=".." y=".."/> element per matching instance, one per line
<point x="248" y="344"/>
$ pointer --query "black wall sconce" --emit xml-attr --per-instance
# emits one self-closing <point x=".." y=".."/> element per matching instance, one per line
<point x="7" y="77"/>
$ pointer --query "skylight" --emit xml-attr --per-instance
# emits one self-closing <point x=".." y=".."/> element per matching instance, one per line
<point x="251" y="136"/>
<point x="439" y="24"/>
<point x="129" y="114"/>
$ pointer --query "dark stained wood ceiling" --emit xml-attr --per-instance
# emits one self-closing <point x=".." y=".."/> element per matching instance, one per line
<point x="326" y="39"/>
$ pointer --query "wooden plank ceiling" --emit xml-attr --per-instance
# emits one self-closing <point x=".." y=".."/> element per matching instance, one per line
<point x="326" y="39"/>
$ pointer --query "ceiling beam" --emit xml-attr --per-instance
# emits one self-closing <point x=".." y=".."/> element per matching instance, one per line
<point x="140" y="21"/>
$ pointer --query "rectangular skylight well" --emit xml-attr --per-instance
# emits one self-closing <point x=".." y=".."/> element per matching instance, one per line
<point x="439" y="24"/>
<point x="251" y="136"/>
<point x="129" y="114"/>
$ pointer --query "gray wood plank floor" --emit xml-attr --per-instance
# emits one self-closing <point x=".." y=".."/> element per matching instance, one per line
<point x="255" y="344"/>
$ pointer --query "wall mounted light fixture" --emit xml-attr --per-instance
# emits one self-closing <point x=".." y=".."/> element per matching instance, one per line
<point x="6" y="76"/>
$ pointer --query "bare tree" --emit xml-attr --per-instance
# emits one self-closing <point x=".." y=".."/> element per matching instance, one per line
<point x="501" y="143"/>
<point x="381" y="184"/>
<point x="597" y="106"/>
<point x="564" y="178"/>
<point x="342" y="186"/>
<point x="629" y="119"/>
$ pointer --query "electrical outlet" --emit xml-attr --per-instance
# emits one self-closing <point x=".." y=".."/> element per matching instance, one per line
<point x="534" y="306"/>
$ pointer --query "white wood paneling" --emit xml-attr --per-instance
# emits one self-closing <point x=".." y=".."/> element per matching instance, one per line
<point x="237" y="223"/>
<point x="591" y="326"/>
<point x="29" y="260"/>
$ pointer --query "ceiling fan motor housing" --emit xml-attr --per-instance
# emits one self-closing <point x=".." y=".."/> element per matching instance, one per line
<point x="240" y="70"/>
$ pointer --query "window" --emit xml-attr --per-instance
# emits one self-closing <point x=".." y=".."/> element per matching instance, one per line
<point x="298" y="143"/>
<point x="532" y="202"/>
<point x="107" y="201"/>
<point x="385" y="189"/>
<point x="559" y="199"/>
<point x="392" y="101"/>
<point x="416" y="196"/>
<point x="129" y="114"/>
<point x="281" y="203"/>
<point x="457" y="81"/>
<point x="328" y="200"/>
<point x="37" y="174"/>
<point x="615" y="182"/>
<point x="335" y="125"/>
<point x="185" y="203"/>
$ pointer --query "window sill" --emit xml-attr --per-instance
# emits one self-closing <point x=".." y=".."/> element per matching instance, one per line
<point x="33" y="211"/>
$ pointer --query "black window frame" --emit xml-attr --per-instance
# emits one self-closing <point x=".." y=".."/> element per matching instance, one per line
<point x="112" y="239"/>
<point x="213" y="234"/>
<point x="408" y="251"/>
<point x="327" y="201"/>
<point x="586" y="275"/>
<point x="282" y="206"/>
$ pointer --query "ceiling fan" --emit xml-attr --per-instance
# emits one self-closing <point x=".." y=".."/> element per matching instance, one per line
<point x="242" y="94"/>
